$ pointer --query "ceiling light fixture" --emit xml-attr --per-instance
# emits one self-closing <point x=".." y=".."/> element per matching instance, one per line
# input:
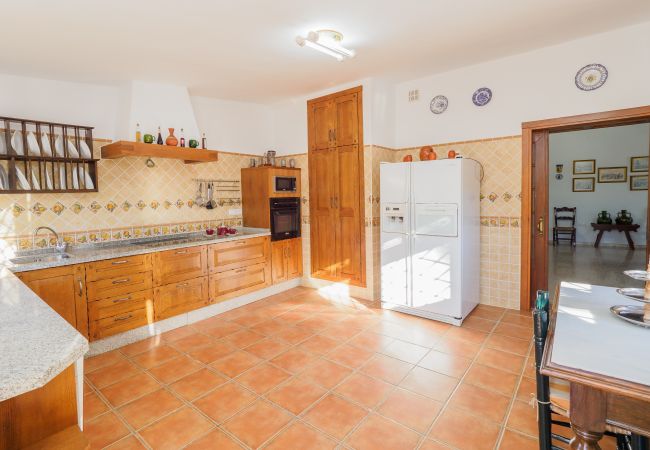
<point x="326" y="41"/>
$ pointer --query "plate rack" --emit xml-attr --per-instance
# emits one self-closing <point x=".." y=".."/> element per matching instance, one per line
<point x="23" y="144"/>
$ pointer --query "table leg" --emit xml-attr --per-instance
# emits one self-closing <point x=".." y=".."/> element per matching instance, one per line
<point x="587" y="415"/>
<point x="598" y="238"/>
<point x="630" y="242"/>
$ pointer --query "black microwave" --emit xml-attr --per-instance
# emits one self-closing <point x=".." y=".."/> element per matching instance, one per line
<point x="285" y="184"/>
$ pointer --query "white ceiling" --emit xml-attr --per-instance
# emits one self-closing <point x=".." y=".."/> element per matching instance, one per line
<point x="245" y="49"/>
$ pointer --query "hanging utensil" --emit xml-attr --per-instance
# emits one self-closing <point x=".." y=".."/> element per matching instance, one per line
<point x="213" y="203"/>
<point x="199" y="196"/>
<point x="208" y="202"/>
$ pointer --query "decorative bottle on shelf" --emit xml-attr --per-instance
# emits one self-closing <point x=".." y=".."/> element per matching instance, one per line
<point x="138" y="135"/>
<point x="171" y="139"/>
<point x="159" y="141"/>
<point x="203" y="143"/>
<point x="182" y="138"/>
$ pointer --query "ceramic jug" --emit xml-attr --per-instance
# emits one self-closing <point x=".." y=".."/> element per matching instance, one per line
<point x="624" y="217"/>
<point x="604" y="218"/>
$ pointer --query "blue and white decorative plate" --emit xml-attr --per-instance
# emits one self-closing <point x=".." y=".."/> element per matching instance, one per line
<point x="591" y="76"/>
<point x="482" y="96"/>
<point x="439" y="104"/>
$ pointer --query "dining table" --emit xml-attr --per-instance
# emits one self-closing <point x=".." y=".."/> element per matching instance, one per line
<point x="605" y="359"/>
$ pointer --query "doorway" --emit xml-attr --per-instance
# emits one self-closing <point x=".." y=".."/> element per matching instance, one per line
<point x="536" y="223"/>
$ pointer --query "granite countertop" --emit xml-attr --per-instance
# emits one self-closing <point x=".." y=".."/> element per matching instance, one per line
<point x="36" y="343"/>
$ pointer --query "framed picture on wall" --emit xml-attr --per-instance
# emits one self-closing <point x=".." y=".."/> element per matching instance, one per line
<point x="638" y="182"/>
<point x="584" y="184"/>
<point x="612" y="174"/>
<point x="639" y="164"/>
<point x="584" y="166"/>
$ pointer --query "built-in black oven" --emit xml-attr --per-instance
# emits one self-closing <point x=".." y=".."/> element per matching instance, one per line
<point x="285" y="218"/>
<point x="285" y="184"/>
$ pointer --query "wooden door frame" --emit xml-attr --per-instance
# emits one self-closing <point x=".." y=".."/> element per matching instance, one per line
<point x="571" y="123"/>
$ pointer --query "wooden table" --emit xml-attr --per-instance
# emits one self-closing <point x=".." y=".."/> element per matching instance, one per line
<point x="606" y="361"/>
<point x="602" y="227"/>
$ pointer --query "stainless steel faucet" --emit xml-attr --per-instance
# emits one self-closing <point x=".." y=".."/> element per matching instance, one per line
<point x="61" y="246"/>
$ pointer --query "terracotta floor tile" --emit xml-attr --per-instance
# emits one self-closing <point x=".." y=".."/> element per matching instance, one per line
<point x="175" y="369"/>
<point x="325" y="373"/>
<point x="362" y="322"/>
<point x="244" y="338"/>
<point x="315" y="324"/>
<point x="176" y="430"/>
<point x="523" y="418"/>
<point x="130" y="389"/>
<point x="529" y="367"/>
<point x="430" y="384"/>
<point x="197" y="384"/>
<point x="105" y="359"/>
<point x="142" y="346"/>
<point x="104" y="430"/>
<point x="339" y="332"/>
<point x="335" y="416"/>
<point x="215" y="439"/>
<point x="516" y="331"/>
<point x="364" y="389"/>
<point x="267" y="348"/>
<point x="210" y="353"/>
<point x="93" y="406"/>
<point x="376" y="432"/>
<point x="236" y="363"/>
<point x="152" y="406"/>
<point x="107" y="375"/>
<point x="192" y="342"/>
<point x="225" y="401"/>
<point x="249" y="319"/>
<point x="527" y="389"/>
<point x="514" y="441"/>
<point x="405" y="351"/>
<point x="87" y="388"/>
<point x="269" y="327"/>
<point x="178" y="333"/>
<point x="517" y="319"/>
<point x="465" y="431"/>
<point x="296" y="395"/>
<point x="482" y="402"/>
<point x="479" y="324"/>
<point x="387" y="368"/>
<point x="452" y="365"/>
<point x="299" y="436"/>
<point x="222" y="330"/>
<point x="127" y="443"/>
<point x="371" y="341"/>
<point x="267" y="420"/>
<point x="488" y="312"/>
<point x="501" y="360"/>
<point x="349" y="355"/>
<point x="319" y="345"/>
<point x="293" y="335"/>
<point x="263" y="378"/>
<point x="210" y="323"/>
<point x="294" y="360"/>
<point x="508" y="344"/>
<point x="466" y="334"/>
<point x="491" y="378"/>
<point x="155" y="356"/>
<point x="428" y="444"/>
<point x="457" y="347"/>
<point x="412" y="410"/>
<point x="293" y="317"/>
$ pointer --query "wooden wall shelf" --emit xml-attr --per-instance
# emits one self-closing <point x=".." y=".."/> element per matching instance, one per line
<point x="123" y="149"/>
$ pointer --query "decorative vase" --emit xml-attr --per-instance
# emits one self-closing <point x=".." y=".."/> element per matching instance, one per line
<point x="432" y="156"/>
<point x="171" y="139"/>
<point x="451" y="154"/>
<point x="624" y="217"/>
<point x="424" y="152"/>
<point x="604" y="218"/>
<point x="407" y="158"/>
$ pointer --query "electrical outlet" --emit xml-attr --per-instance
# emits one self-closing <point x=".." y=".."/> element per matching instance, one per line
<point x="234" y="212"/>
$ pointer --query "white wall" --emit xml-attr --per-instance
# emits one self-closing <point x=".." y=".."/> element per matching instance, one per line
<point x="610" y="147"/>
<point x="529" y="86"/>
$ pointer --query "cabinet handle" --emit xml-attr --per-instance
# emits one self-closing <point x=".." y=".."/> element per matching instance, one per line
<point x="81" y="287"/>
<point x="124" y="299"/>
<point x="182" y="285"/>
<point x="334" y="134"/>
<point x="117" y="263"/>
<point x="336" y="202"/>
<point x="118" y="319"/>
<point x="123" y="280"/>
<point x="181" y="252"/>
<point x="240" y="270"/>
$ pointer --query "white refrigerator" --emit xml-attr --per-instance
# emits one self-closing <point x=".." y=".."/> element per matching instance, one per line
<point x="430" y="238"/>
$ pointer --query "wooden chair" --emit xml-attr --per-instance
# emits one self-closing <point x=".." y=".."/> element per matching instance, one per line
<point x="553" y="394"/>
<point x="564" y="214"/>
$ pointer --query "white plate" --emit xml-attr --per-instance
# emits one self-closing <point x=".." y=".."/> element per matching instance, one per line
<point x="32" y="145"/>
<point x="85" y="150"/>
<point x="35" y="183"/>
<point x="62" y="181"/>
<point x="17" y="143"/>
<point x="48" y="180"/>
<point x="58" y="147"/>
<point x="75" y="179"/>
<point x="3" y="145"/>
<point x="22" y="181"/>
<point x="45" y="143"/>
<point x="72" y="150"/>
<point x="89" y="181"/>
<point x="4" y="180"/>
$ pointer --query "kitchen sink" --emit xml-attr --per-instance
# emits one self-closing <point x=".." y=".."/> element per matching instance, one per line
<point x="50" y="257"/>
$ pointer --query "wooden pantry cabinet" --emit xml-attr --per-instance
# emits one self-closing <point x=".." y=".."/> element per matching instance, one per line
<point x="336" y="182"/>
<point x="286" y="259"/>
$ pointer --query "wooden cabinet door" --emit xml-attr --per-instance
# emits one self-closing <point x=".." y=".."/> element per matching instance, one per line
<point x="234" y="254"/>
<point x="350" y="214"/>
<point x="323" y="220"/>
<point x="177" y="298"/>
<point x="321" y="124"/>
<point x="180" y="264"/>
<point x="232" y="283"/>
<point x="279" y="261"/>
<point x="294" y="258"/>
<point x="346" y="125"/>
<point x="62" y="288"/>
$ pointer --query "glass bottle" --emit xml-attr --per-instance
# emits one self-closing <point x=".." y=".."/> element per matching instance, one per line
<point x="138" y="135"/>
<point x="182" y="138"/>
<point x="203" y="143"/>
<point x="159" y="141"/>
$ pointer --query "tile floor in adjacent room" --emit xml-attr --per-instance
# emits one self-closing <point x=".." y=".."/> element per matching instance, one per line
<point x="299" y="371"/>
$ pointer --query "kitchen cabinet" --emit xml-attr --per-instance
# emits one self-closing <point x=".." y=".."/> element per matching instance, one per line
<point x="336" y="183"/>
<point x="240" y="253"/>
<point x="177" y="298"/>
<point x="109" y="268"/>
<point x="236" y="282"/>
<point x="181" y="264"/>
<point x="121" y="313"/>
<point x="286" y="259"/>
<point x="62" y="288"/>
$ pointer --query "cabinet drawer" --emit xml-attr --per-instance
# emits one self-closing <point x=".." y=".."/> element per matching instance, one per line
<point x="123" y="284"/>
<point x="180" y="264"/>
<point x="111" y="268"/>
<point x="241" y="253"/>
<point x="177" y="298"/>
<point x="232" y="283"/>
<point x="120" y="323"/>
<point x="115" y="306"/>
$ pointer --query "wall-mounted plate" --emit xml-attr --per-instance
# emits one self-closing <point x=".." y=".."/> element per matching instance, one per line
<point x="439" y="104"/>
<point x="591" y="76"/>
<point x="482" y="96"/>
